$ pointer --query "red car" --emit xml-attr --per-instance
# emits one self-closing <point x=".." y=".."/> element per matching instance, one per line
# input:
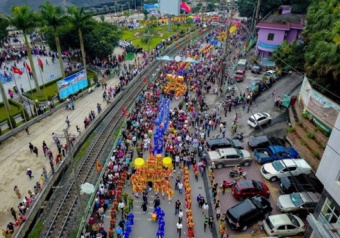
<point x="239" y="75"/>
<point x="249" y="188"/>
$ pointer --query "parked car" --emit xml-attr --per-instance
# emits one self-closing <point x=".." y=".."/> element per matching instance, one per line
<point x="283" y="225"/>
<point x="298" y="203"/>
<point x="272" y="75"/>
<point x="239" y="75"/>
<point x="256" y="69"/>
<point x="264" y="141"/>
<point x="256" y="85"/>
<point x="259" y="119"/>
<point x="275" y="152"/>
<point x="248" y="212"/>
<point x="249" y="188"/>
<point x="300" y="183"/>
<point x="283" y="168"/>
<point x="218" y="143"/>
<point x="230" y="157"/>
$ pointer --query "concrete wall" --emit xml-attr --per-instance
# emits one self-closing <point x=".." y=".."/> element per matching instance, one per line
<point x="278" y="36"/>
<point x="292" y="35"/>
<point x="329" y="168"/>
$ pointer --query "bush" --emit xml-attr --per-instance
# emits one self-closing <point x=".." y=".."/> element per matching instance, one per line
<point x="24" y="115"/>
<point x="316" y="154"/>
<point x="303" y="142"/>
<point x="310" y="135"/>
<point x="290" y="129"/>
<point x="11" y="122"/>
<point x="305" y="115"/>
<point x="299" y="123"/>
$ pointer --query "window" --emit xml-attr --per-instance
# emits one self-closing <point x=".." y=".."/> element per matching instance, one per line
<point x="330" y="213"/>
<point x="270" y="36"/>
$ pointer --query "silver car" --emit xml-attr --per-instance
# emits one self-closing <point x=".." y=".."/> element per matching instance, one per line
<point x="259" y="119"/>
<point x="230" y="157"/>
<point x="298" y="203"/>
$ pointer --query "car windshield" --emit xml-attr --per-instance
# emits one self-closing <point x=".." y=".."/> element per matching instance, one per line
<point x="278" y="166"/>
<point x="269" y="223"/>
<point x="251" y="119"/>
<point x="239" y="153"/>
<point x="231" y="142"/>
<point x="296" y="199"/>
<point x="257" y="185"/>
<point x="293" y="219"/>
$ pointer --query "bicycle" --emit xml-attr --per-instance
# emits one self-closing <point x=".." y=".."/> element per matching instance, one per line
<point x="257" y="228"/>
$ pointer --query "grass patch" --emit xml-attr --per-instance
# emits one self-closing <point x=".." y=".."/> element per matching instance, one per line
<point x="81" y="153"/>
<point x="35" y="233"/>
<point x="15" y="109"/>
<point x="161" y="33"/>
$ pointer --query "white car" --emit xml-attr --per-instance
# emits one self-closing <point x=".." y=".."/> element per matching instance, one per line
<point x="272" y="74"/>
<point x="298" y="203"/>
<point x="259" y="119"/>
<point x="283" y="225"/>
<point x="283" y="168"/>
<point x="230" y="157"/>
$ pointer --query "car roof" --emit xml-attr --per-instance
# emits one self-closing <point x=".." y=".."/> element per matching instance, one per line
<point x="240" y="71"/>
<point x="246" y="184"/>
<point x="258" y="115"/>
<point x="299" y="162"/>
<point x="280" y="219"/>
<point x="242" y="208"/>
<point x="310" y="196"/>
<point x="227" y="151"/>
<point x="258" y="139"/>
<point x="218" y="140"/>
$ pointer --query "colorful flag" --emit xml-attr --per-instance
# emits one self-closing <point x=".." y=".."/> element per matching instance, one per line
<point x="125" y="112"/>
<point x="27" y="67"/>
<point x="41" y="64"/>
<point x="145" y="80"/>
<point x="16" y="70"/>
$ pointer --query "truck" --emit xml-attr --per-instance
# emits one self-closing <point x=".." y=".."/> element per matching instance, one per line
<point x="272" y="153"/>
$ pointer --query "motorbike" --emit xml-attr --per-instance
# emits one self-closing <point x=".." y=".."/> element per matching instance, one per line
<point x="231" y="90"/>
<point x="238" y="137"/>
<point x="237" y="173"/>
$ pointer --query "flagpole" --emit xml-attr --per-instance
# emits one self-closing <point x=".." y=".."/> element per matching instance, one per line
<point x="42" y="80"/>
<point x="29" y="82"/>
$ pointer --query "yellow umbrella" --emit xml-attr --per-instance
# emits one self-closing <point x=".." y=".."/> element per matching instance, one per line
<point x="139" y="162"/>
<point x="167" y="161"/>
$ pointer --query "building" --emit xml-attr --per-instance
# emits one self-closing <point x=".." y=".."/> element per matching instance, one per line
<point x="325" y="222"/>
<point x="275" y="29"/>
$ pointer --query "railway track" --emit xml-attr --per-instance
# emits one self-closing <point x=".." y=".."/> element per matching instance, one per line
<point x="63" y="212"/>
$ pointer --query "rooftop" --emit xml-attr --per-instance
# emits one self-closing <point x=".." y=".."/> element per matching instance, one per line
<point x="283" y="22"/>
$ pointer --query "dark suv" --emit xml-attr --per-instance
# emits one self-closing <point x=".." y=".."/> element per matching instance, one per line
<point x="264" y="141"/>
<point x="248" y="212"/>
<point x="300" y="183"/>
<point x="219" y="143"/>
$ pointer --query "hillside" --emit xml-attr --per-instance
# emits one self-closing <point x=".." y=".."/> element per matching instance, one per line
<point x="6" y="5"/>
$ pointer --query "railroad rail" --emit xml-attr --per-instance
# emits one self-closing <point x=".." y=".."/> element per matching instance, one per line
<point x="63" y="211"/>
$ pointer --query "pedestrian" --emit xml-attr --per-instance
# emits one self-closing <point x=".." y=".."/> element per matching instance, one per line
<point x="201" y="202"/>
<point x="67" y="122"/>
<point x="29" y="173"/>
<point x="17" y="191"/>
<point x="211" y="222"/>
<point x="177" y="206"/>
<point x="224" y="186"/>
<point x="78" y="129"/>
<point x="44" y="171"/>
<point x="218" y="213"/>
<point x="180" y="187"/>
<point x="13" y="213"/>
<point x="222" y="230"/>
<point x="144" y="207"/>
<point x="205" y="222"/>
<point x="42" y="179"/>
<point x="22" y="89"/>
<point x="30" y="146"/>
<point x="35" y="151"/>
<point x="179" y="226"/>
<point x="156" y="202"/>
<point x="121" y="206"/>
<point x="205" y="208"/>
<point x="180" y="215"/>
<point x="27" y="131"/>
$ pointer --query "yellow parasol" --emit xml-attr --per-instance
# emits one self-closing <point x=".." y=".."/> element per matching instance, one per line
<point x="139" y="162"/>
<point x="167" y="162"/>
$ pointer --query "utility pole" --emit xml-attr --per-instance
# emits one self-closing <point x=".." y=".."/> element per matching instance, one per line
<point x="224" y="59"/>
<point x="257" y="13"/>
<point x="70" y="153"/>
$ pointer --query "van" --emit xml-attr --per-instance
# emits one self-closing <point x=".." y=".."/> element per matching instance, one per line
<point x="242" y="64"/>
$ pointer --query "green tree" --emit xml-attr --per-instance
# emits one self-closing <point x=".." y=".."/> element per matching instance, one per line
<point x="285" y="56"/>
<point x="322" y="38"/>
<point x="100" y="42"/>
<point x="210" y="7"/>
<point x="52" y="16"/>
<point x="4" y="22"/>
<point x="78" y="18"/>
<point x="24" y="18"/>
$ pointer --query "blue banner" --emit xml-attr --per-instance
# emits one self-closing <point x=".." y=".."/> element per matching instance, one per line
<point x="72" y="84"/>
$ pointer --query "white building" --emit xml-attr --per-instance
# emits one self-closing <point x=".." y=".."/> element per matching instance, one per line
<point x="325" y="222"/>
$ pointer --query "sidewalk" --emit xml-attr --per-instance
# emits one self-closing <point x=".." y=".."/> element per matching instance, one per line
<point x="16" y="156"/>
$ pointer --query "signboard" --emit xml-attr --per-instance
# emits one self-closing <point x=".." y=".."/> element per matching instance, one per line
<point x="72" y="84"/>
<point x="152" y="8"/>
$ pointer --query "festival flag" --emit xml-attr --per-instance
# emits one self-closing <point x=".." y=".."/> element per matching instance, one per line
<point x="145" y="80"/>
<point x="16" y="70"/>
<point x="41" y="64"/>
<point x="27" y="67"/>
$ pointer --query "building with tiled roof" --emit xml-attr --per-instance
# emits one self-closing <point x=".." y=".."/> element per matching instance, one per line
<point x="273" y="30"/>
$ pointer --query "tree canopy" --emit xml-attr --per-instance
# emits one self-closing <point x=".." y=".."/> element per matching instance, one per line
<point x="246" y="7"/>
